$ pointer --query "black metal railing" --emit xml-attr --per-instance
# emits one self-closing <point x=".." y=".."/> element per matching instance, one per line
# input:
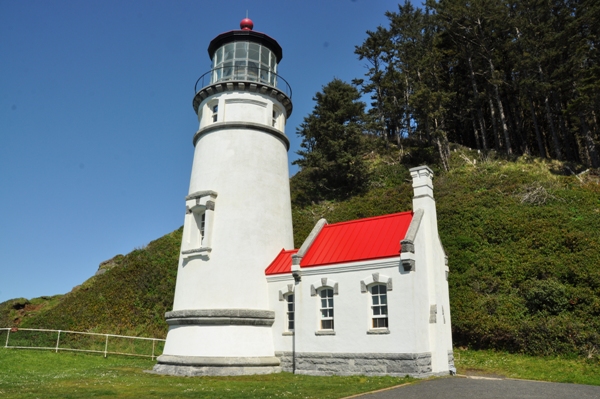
<point x="244" y="73"/>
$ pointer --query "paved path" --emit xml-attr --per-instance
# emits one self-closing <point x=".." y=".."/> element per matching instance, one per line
<point x="475" y="388"/>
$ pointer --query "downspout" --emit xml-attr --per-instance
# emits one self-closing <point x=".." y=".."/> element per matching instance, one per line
<point x="297" y="274"/>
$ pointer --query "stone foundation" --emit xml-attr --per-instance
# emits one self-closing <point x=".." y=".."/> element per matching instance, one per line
<point x="190" y="366"/>
<point x="451" y="366"/>
<point x="374" y="364"/>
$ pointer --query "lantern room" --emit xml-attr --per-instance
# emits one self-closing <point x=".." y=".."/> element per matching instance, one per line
<point x="248" y="60"/>
<point x="245" y="55"/>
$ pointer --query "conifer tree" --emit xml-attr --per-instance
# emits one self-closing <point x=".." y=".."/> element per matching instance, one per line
<point x="330" y="158"/>
<point x="520" y="76"/>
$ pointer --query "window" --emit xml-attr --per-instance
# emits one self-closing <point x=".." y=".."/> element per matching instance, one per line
<point x="289" y="300"/>
<point x="194" y="229"/>
<point x="215" y="110"/>
<point x="274" y="121"/>
<point x="197" y="227"/>
<point x="202" y="223"/>
<point x="379" y="306"/>
<point x="326" y="295"/>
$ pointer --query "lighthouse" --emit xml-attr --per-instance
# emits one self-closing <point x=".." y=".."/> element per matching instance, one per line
<point x="237" y="213"/>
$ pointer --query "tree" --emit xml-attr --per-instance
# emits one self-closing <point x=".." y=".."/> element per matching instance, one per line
<point x="332" y="137"/>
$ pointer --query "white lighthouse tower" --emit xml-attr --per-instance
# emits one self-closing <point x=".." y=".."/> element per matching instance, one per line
<point x="238" y="213"/>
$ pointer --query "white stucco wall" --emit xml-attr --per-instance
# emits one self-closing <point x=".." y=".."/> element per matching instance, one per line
<point x="241" y="106"/>
<point x="408" y="310"/>
<point x="428" y="243"/>
<point x="219" y="341"/>
<point x="252" y="219"/>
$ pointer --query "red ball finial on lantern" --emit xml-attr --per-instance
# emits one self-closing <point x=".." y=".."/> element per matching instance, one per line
<point x="246" y="24"/>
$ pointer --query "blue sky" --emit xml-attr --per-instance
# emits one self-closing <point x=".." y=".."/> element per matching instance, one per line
<point x="96" y="118"/>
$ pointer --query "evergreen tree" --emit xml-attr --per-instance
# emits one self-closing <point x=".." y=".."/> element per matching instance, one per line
<point x="520" y="76"/>
<point x="331" y="163"/>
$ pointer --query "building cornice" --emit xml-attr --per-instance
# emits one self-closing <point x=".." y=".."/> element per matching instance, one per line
<point x="245" y="36"/>
<point x="342" y="268"/>
<point x="244" y="317"/>
<point x="243" y="85"/>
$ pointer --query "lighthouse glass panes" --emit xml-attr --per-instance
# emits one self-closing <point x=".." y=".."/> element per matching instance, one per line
<point x="379" y="306"/>
<point x="326" y="295"/>
<point x="245" y="61"/>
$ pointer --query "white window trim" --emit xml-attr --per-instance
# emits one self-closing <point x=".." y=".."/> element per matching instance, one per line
<point x="199" y="209"/>
<point x="376" y="278"/>
<point x="321" y="330"/>
<point x="372" y="306"/>
<point x="324" y="283"/>
<point x="365" y="287"/>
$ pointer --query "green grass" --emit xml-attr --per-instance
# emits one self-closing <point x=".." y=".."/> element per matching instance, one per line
<point x="45" y="374"/>
<point x="553" y="368"/>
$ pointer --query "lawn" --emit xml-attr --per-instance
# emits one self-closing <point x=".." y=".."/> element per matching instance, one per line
<point x="45" y="374"/>
<point x="554" y="368"/>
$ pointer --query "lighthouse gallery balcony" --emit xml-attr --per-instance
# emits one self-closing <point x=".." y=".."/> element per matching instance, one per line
<point x="244" y="60"/>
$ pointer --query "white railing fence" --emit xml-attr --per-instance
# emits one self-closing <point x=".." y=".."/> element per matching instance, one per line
<point x="61" y="340"/>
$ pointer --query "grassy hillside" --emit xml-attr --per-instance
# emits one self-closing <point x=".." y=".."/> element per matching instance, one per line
<point x="129" y="298"/>
<point x="521" y="236"/>
<point x="524" y="249"/>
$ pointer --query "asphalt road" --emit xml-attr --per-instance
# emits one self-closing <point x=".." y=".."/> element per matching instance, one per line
<point x="456" y="387"/>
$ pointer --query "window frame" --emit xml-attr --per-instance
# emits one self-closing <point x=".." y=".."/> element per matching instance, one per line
<point x="290" y="311"/>
<point x="275" y="114"/>
<point x="215" y="112"/>
<point x="327" y="308"/>
<point x="379" y="310"/>
<point x="197" y="227"/>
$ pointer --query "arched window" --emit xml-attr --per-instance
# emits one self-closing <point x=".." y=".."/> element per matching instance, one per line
<point x="326" y="295"/>
<point x="379" y="311"/>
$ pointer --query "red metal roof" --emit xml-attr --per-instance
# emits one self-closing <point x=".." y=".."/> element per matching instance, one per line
<point x="282" y="263"/>
<point x="362" y="239"/>
<point x="356" y="240"/>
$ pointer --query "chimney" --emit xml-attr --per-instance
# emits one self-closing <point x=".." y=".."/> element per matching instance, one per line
<point x="422" y="184"/>
<point x="423" y="200"/>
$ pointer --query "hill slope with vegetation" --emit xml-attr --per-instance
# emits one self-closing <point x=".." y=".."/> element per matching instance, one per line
<point x="521" y="237"/>
<point x="130" y="298"/>
<point x="522" y="241"/>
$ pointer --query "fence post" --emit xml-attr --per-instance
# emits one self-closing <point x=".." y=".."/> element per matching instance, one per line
<point x="153" y="343"/>
<point x="7" y="335"/>
<point x="57" y="341"/>
<point x="106" y="346"/>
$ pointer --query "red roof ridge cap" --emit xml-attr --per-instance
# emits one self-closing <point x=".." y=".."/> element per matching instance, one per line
<point x="368" y="218"/>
